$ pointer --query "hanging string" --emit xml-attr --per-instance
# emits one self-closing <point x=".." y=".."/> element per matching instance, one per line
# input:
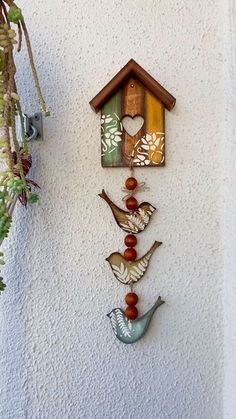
<point x="141" y="186"/>
<point x="131" y="162"/>
<point x="130" y="157"/>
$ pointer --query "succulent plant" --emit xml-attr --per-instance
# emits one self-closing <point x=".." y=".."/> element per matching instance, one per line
<point x="14" y="14"/>
<point x="14" y="151"/>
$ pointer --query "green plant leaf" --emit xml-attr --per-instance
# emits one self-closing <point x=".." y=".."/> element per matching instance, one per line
<point x="2" y="285"/>
<point x="14" y="14"/>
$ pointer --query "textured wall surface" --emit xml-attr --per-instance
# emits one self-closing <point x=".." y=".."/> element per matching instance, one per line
<point x="59" y="357"/>
<point x="229" y="219"/>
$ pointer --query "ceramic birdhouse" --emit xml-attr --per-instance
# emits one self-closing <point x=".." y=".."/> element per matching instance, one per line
<point x="132" y="109"/>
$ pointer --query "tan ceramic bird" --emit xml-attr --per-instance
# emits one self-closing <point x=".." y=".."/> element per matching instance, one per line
<point x="130" y="272"/>
<point x="130" y="221"/>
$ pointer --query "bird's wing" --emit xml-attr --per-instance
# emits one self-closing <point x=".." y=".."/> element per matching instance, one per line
<point x="121" y="323"/>
<point x="132" y="223"/>
<point x="121" y="272"/>
<point x="138" y="220"/>
<point x="130" y="272"/>
<point x="145" y="211"/>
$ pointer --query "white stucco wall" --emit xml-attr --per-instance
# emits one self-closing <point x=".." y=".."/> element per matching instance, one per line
<point x="229" y="227"/>
<point x="59" y="358"/>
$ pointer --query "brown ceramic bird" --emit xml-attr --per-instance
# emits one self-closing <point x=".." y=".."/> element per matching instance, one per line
<point x="130" y="272"/>
<point x="130" y="221"/>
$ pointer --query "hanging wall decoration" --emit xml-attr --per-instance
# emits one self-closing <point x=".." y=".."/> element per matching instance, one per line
<point x="132" y="109"/>
<point x="14" y="145"/>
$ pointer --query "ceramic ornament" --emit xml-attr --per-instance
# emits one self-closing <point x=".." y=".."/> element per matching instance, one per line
<point x="132" y="109"/>
<point x="131" y="221"/>
<point x="129" y="331"/>
<point x="128" y="272"/>
<point x="132" y="94"/>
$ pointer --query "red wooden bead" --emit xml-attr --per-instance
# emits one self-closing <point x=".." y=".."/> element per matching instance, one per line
<point x="130" y="240"/>
<point x="131" y="183"/>
<point x="131" y="203"/>
<point x="131" y="312"/>
<point x="130" y="254"/>
<point x="131" y="299"/>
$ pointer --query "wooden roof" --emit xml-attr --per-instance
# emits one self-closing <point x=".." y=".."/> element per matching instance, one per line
<point x="132" y="69"/>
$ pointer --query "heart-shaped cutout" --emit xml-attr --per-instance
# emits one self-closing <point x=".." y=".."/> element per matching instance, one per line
<point x="132" y="125"/>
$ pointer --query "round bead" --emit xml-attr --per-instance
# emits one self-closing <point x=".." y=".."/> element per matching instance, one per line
<point x="131" y="312"/>
<point x="131" y="183"/>
<point x="131" y="203"/>
<point x="131" y="299"/>
<point x="130" y="254"/>
<point x="130" y="240"/>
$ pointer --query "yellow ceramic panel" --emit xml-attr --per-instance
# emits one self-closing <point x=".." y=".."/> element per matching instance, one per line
<point x="155" y="129"/>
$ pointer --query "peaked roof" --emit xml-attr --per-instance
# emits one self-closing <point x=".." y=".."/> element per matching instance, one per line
<point x="132" y="69"/>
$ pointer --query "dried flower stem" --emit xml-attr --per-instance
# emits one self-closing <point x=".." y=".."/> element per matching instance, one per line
<point x="19" y="37"/>
<point x="5" y="128"/>
<point x="5" y="12"/>
<point x="2" y="20"/>
<point x="34" y="71"/>
<point x="23" y="133"/>
<point x="9" y="2"/>
<point x="11" y="84"/>
<point x="16" y="144"/>
<point x="6" y="135"/>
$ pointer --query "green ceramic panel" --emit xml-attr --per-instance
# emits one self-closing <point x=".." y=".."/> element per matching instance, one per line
<point x="111" y="132"/>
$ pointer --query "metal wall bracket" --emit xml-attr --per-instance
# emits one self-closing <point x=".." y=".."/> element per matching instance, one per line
<point x="34" y="126"/>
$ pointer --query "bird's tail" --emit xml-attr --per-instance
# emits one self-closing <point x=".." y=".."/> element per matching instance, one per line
<point x="106" y="198"/>
<point x="155" y="245"/>
<point x="155" y="306"/>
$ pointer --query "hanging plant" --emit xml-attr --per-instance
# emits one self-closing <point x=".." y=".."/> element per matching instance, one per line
<point x="14" y="151"/>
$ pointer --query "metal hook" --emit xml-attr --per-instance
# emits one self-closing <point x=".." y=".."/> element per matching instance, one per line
<point x="33" y="126"/>
<point x="34" y="134"/>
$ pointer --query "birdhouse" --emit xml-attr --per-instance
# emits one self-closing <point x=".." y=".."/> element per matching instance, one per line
<point x="132" y="109"/>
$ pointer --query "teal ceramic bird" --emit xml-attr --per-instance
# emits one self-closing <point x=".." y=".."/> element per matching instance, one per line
<point x="129" y="331"/>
